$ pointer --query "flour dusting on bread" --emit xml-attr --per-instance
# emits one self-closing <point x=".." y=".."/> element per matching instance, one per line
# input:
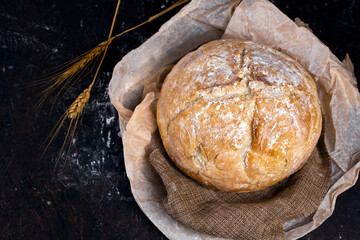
<point x="238" y="116"/>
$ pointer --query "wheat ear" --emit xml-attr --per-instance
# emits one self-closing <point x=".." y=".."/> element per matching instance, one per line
<point x="75" y="71"/>
<point x="78" y="105"/>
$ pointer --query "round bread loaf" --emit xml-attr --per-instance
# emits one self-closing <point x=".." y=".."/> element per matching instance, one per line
<point x="238" y="116"/>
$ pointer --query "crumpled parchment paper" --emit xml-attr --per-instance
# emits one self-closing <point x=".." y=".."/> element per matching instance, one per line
<point x="136" y="83"/>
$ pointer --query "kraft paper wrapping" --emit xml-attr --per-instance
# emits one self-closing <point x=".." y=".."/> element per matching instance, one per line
<point x="136" y="82"/>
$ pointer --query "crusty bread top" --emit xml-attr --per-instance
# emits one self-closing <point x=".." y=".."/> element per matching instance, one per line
<point x="238" y="116"/>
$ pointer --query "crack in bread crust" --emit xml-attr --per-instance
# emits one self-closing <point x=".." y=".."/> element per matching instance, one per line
<point x="237" y="116"/>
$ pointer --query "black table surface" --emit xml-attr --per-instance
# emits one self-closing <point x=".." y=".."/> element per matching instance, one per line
<point x="91" y="197"/>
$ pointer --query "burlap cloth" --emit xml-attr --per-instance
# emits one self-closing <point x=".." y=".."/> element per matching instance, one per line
<point x="254" y="215"/>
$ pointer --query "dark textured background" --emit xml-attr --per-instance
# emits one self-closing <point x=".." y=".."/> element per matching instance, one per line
<point x="91" y="197"/>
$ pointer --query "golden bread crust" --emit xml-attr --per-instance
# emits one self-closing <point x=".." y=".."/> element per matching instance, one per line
<point x="238" y="116"/>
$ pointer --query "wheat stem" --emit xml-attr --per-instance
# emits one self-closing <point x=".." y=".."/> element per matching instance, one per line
<point x="178" y="3"/>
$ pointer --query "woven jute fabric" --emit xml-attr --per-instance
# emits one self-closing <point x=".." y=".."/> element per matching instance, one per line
<point x="254" y="215"/>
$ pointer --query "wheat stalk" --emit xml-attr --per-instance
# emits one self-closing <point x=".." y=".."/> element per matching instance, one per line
<point x="78" y="105"/>
<point x="76" y="69"/>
